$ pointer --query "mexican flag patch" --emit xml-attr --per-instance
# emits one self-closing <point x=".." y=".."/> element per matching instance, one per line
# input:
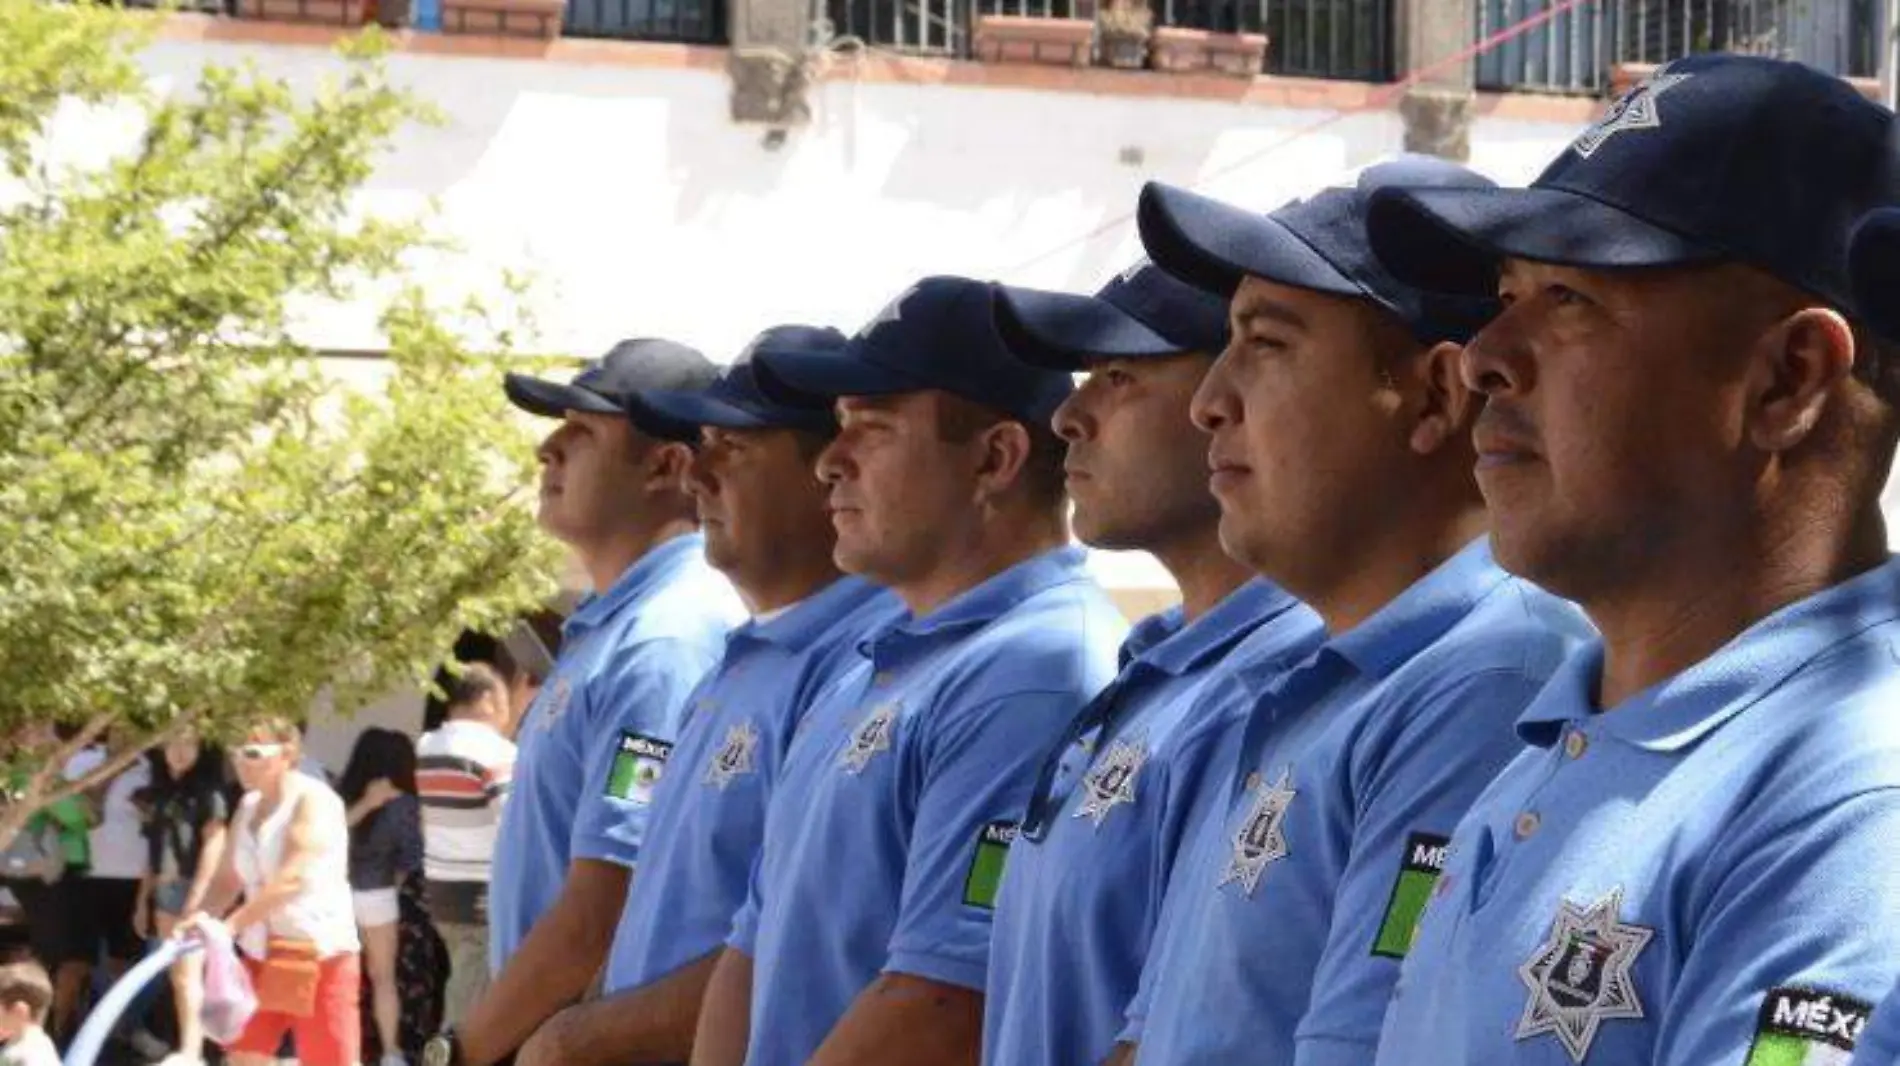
<point x="986" y="869"/>
<point x="637" y="765"/>
<point x="1807" y="1027"/>
<point x="1419" y="868"/>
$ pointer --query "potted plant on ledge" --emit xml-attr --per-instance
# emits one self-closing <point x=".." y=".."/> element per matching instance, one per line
<point x="1123" y="27"/>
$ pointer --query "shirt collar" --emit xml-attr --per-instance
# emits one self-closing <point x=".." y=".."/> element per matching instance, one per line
<point x="795" y="628"/>
<point x="661" y="563"/>
<point x="984" y="603"/>
<point x="1167" y="643"/>
<point x="1423" y="613"/>
<point x="1675" y="713"/>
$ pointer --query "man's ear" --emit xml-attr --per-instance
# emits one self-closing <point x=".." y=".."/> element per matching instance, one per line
<point x="667" y="465"/>
<point x="1441" y="407"/>
<point x="1794" y="368"/>
<point x="1003" y="453"/>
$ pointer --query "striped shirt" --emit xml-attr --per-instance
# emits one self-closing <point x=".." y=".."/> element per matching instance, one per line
<point x="462" y="775"/>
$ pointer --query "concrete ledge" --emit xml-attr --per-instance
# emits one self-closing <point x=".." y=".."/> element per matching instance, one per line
<point x="882" y="67"/>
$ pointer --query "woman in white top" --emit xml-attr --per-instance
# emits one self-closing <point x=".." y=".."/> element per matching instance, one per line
<point x="289" y="856"/>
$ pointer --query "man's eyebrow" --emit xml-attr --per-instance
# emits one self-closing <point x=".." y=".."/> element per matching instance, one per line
<point x="1264" y="307"/>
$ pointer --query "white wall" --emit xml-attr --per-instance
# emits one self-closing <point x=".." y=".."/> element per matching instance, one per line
<point x="641" y="209"/>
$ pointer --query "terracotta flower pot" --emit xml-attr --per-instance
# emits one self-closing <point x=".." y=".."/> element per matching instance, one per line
<point x="1242" y="55"/>
<point x="504" y="18"/>
<point x="1021" y="39"/>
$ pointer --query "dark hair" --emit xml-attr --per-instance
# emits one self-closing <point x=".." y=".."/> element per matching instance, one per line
<point x="1876" y="363"/>
<point x="379" y="753"/>
<point x="475" y="682"/>
<point x="26" y="982"/>
<point x="210" y="773"/>
<point x="961" y="420"/>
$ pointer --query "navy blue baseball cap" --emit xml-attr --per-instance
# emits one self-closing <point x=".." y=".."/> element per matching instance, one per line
<point x="1873" y="262"/>
<point x="734" y="400"/>
<point x="1716" y="158"/>
<point x="938" y="334"/>
<point x="1143" y="312"/>
<point x="604" y="385"/>
<point x="1318" y="243"/>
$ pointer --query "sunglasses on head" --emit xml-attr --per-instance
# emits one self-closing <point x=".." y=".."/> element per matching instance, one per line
<point x="256" y="752"/>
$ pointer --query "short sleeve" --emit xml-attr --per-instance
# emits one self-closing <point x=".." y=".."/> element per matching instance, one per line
<point x="217" y="807"/>
<point x="1797" y="942"/>
<point x="1413" y="795"/>
<point x="979" y="768"/>
<point x="629" y="717"/>
<point x="408" y="832"/>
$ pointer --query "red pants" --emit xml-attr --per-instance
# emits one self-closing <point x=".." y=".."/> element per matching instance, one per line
<point x="333" y="1033"/>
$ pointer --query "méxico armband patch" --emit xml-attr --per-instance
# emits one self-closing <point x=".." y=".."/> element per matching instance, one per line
<point x="1419" y="867"/>
<point x="1806" y="1027"/>
<point x="637" y="764"/>
<point x="986" y="868"/>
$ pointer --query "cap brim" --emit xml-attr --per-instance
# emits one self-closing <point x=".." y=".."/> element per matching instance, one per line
<point x="652" y="414"/>
<point x="1452" y="240"/>
<point x="832" y="374"/>
<point x="1213" y="245"/>
<point x="553" y="399"/>
<point x="1064" y="331"/>
<point x="1874" y="262"/>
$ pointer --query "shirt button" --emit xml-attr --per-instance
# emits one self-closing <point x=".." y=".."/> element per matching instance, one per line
<point x="1253" y="781"/>
<point x="1576" y="743"/>
<point x="1527" y="824"/>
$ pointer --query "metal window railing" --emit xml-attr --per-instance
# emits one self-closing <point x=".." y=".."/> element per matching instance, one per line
<point x="1309" y="38"/>
<point x="696" y="21"/>
<point x="1574" y="51"/>
<point x="927" y="27"/>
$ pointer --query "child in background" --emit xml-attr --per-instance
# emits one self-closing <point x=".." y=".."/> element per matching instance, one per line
<point x="25" y="994"/>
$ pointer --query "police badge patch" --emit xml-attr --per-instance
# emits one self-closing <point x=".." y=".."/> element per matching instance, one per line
<point x="1636" y="110"/>
<point x="1261" y="838"/>
<point x="735" y="758"/>
<point x="870" y="737"/>
<point x="1580" y="977"/>
<point x="1112" y="780"/>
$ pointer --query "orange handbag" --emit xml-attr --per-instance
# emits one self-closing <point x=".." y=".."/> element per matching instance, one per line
<point x="286" y="981"/>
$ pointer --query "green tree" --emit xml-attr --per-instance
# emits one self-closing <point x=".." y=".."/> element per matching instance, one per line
<point x="198" y="527"/>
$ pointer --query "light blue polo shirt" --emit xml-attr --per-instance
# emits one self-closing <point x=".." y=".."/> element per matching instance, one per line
<point x="709" y="808"/>
<point x="886" y="839"/>
<point x="593" y="742"/>
<point x="1880" y="1041"/>
<point x="1079" y="905"/>
<point x="1286" y="919"/>
<point x="1704" y="875"/>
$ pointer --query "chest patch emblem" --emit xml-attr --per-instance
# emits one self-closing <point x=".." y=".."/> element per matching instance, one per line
<point x="1112" y="780"/>
<point x="736" y="757"/>
<point x="1261" y="839"/>
<point x="559" y="694"/>
<point x="870" y="737"/>
<point x="1580" y="976"/>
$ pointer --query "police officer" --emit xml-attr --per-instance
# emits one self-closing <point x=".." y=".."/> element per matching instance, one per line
<point x="867" y="934"/>
<point x="1874" y="268"/>
<point x="1686" y="431"/>
<point x="597" y="735"/>
<point x="1086" y="876"/>
<point x="762" y="511"/>
<point x="1341" y="458"/>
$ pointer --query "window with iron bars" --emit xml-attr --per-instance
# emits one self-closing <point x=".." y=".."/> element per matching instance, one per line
<point x="1575" y="51"/>
<point x="693" y="21"/>
<point x="1350" y="39"/>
